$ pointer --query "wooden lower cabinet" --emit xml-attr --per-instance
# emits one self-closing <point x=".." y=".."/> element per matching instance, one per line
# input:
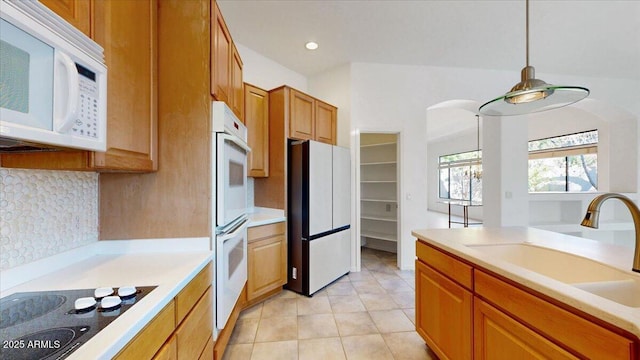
<point x="267" y="260"/>
<point x="499" y="337"/>
<point x="566" y="329"/>
<point x="443" y="314"/>
<point x="168" y="351"/>
<point x="175" y="334"/>
<point x="196" y="329"/>
<point x="147" y="342"/>
<point x="464" y="312"/>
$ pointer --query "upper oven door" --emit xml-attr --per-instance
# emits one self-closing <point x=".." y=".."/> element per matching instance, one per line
<point x="231" y="179"/>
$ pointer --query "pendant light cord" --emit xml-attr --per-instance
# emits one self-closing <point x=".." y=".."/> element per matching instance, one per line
<point x="527" y="31"/>
<point x="478" y="135"/>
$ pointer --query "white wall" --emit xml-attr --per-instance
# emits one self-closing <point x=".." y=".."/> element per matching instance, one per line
<point x="267" y="74"/>
<point x="396" y="97"/>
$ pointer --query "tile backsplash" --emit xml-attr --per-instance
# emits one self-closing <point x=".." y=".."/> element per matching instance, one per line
<point x="43" y="213"/>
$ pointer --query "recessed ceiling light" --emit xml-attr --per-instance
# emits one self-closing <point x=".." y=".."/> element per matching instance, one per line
<point x="311" y="45"/>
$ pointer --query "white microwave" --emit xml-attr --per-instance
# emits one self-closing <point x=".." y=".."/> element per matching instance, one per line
<point x="53" y="82"/>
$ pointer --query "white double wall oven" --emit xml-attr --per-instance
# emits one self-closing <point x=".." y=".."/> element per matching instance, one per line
<point x="229" y="200"/>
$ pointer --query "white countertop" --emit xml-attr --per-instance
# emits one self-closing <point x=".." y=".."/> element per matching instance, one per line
<point x="264" y="216"/>
<point x="455" y="241"/>
<point x="168" y="264"/>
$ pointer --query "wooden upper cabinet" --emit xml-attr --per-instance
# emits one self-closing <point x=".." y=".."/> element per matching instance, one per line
<point x="76" y="12"/>
<point x="221" y="57"/>
<point x="226" y="65"/>
<point x="301" y="116"/>
<point x="237" y="98"/>
<point x="326" y="122"/>
<point x="127" y="30"/>
<point x="256" y="114"/>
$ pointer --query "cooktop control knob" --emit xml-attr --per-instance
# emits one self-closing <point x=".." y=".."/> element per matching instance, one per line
<point x="126" y="291"/>
<point x="99" y="293"/>
<point x="84" y="303"/>
<point x="110" y="302"/>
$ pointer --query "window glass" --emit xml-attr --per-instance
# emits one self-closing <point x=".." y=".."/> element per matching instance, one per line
<point x="564" y="163"/>
<point x="461" y="176"/>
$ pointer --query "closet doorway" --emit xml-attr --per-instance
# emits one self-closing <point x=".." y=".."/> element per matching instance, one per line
<point x="379" y="188"/>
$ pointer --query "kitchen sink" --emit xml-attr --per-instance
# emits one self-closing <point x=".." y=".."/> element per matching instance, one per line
<point x="589" y="275"/>
<point x="625" y="292"/>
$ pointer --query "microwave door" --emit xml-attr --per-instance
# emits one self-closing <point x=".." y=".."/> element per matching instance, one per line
<point x="27" y="78"/>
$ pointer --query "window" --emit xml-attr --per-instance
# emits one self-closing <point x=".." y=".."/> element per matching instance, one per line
<point x="564" y="163"/>
<point x="461" y="176"/>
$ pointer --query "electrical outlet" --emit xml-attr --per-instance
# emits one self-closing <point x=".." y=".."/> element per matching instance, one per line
<point x="294" y="274"/>
<point x="388" y="207"/>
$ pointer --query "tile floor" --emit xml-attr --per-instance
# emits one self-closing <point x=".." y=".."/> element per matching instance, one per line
<point x="364" y="315"/>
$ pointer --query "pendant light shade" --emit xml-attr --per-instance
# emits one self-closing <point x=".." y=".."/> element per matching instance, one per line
<point x="532" y="95"/>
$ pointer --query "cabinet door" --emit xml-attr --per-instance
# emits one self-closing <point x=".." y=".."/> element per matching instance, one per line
<point x="237" y="92"/>
<point x="326" y="119"/>
<point x="443" y="314"/>
<point x="193" y="333"/>
<point x="267" y="259"/>
<point x="76" y="12"/>
<point x="221" y="52"/>
<point x="498" y="336"/>
<point x="128" y="32"/>
<point x="301" y="116"/>
<point x="256" y="114"/>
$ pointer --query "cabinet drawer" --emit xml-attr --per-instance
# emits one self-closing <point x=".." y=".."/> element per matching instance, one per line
<point x="192" y="292"/>
<point x="453" y="268"/>
<point x="498" y="336"/>
<point x="260" y="232"/>
<point x="207" y="353"/>
<point x="151" y="338"/>
<point x="196" y="329"/>
<point x="168" y="351"/>
<point x="564" y="327"/>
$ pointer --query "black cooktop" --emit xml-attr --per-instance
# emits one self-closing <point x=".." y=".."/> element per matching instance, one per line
<point x="44" y="325"/>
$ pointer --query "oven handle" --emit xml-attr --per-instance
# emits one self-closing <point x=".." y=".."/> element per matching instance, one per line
<point x="230" y="235"/>
<point x="236" y="141"/>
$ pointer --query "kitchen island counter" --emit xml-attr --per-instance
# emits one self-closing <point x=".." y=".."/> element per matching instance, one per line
<point x="169" y="264"/>
<point x="461" y="243"/>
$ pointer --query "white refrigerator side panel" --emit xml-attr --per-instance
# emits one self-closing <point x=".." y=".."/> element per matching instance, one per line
<point x="320" y="207"/>
<point x="341" y="187"/>
<point x="329" y="258"/>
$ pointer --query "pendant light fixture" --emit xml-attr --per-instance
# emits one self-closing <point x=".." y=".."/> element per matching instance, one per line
<point x="532" y="95"/>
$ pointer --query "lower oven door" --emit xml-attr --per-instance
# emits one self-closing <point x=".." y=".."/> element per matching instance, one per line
<point x="231" y="270"/>
<point x="231" y="178"/>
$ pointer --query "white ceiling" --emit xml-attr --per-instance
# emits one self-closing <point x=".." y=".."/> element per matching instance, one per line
<point x="572" y="37"/>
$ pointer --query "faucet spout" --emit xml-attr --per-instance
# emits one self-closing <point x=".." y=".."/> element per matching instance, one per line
<point x="592" y="216"/>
